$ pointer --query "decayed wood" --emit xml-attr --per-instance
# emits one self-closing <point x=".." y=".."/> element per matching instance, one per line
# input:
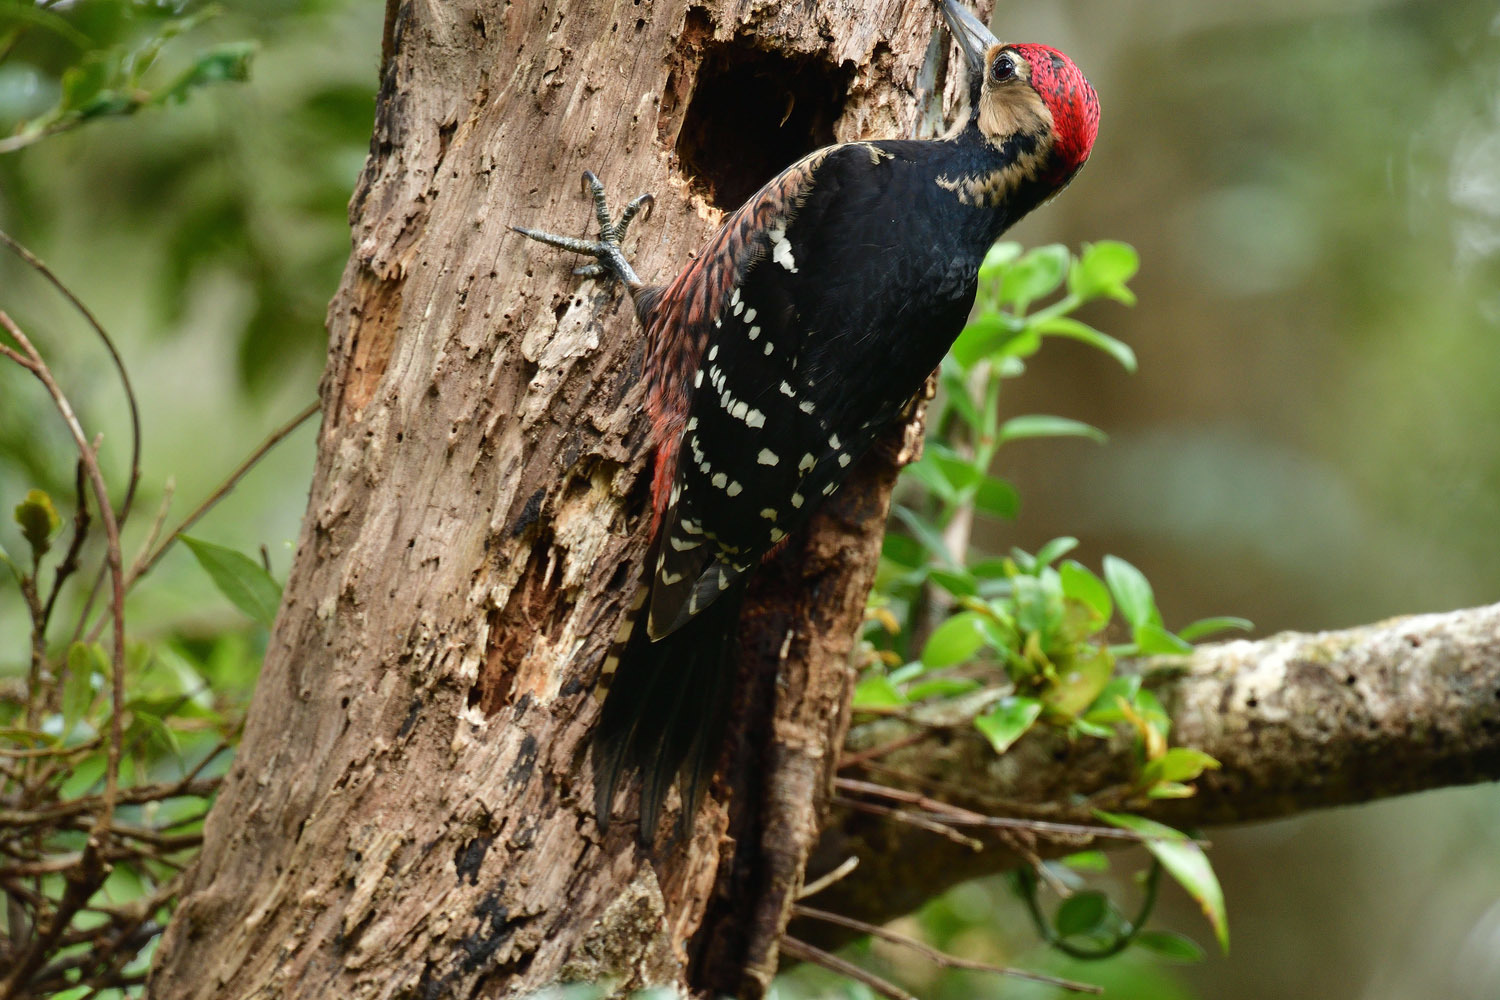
<point x="406" y="816"/>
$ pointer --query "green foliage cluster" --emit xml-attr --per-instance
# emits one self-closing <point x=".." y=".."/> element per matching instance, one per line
<point x="1028" y="636"/>
<point x="114" y="68"/>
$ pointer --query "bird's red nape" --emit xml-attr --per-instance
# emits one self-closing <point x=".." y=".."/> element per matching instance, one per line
<point x="1070" y="98"/>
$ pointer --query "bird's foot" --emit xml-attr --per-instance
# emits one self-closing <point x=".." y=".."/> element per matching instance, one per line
<point x="608" y="254"/>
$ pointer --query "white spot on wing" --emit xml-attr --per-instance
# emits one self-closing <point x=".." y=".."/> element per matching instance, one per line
<point x="755" y="418"/>
<point x="806" y="406"/>
<point x="735" y="489"/>
<point x="720" y="480"/>
<point x="768" y="513"/>
<point x="843" y="461"/>
<point x="796" y="499"/>
<point x="767" y="457"/>
<point x="787" y="390"/>
<point x="808" y="461"/>
<point x="781" y="249"/>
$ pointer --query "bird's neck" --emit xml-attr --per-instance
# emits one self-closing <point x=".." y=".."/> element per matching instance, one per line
<point x="1003" y="175"/>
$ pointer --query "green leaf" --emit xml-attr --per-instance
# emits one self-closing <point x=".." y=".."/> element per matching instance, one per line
<point x="956" y="397"/>
<point x="942" y="687"/>
<point x="959" y="583"/>
<point x="38" y="520"/>
<point x="1204" y="627"/>
<point x="1036" y="425"/>
<point x="1132" y="593"/>
<point x="1035" y="275"/>
<point x="925" y="470"/>
<point x="997" y="498"/>
<point x="241" y="579"/>
<point x="1178" y="764"/>
<point x="37" y="16"/>
<point x="83" y="82"/>
<point x="229" y="62"/>
<point x="985" y="335"/>
<point x="1038" y="608"/>
<point x="999" y="257"/>
<point x="954" y="641"/>
<point x="1185" y="862"/>
<point x="901" y="550"/>
<point x="1153" y="640"/>
<point x="1055" y="550"/>
<point x="1080" y="584"/>
<point x="1008" y="721"/>
<point x="994" y="568"/>
<point x="1067" y="326"/>
<point x="1087" y="861"/>
<point x="960" y="472"/>
<point x="877" y="691"/>
<point x="1103" y="268"/>
<point x="906" y="672"/>
<point x="930" y="538"/>
<point x="1170" y="790"/>
<point x="1170" y="946"/>
<point x="1082" y="913"/>
<point x="1081" y="675"/>
<point x="1106" y="707"/>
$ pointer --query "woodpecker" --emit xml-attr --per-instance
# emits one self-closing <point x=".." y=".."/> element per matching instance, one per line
<point x="782" y="351"/>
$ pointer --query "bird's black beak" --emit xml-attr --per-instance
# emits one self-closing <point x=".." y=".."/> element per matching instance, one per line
<point x="969" y="32"/>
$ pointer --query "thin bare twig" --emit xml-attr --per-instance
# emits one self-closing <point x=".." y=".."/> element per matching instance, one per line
<point x="69" y="562"/>
<point x="804" y="952"/>
<point x="939" y="957"/>
<point x="823" y="881"/>
<point x="36" y="264"/>
<point x="141" y="568"/>
<point x="911" y="819"/>
<point x="958" y="816"/>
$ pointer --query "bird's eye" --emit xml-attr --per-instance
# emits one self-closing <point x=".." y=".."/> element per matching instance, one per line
<point x="1002" y="69"/>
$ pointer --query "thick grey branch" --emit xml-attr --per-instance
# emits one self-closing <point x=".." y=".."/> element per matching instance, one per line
<point x="1298" y="721"/>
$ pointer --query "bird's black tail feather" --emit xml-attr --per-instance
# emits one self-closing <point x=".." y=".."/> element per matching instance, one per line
<point x="666" y="712"/>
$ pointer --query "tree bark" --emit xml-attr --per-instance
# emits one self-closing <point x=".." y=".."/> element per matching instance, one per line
<point x="407" y="815"/>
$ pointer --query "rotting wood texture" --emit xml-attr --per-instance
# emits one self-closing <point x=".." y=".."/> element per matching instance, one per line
<point x="405" y="817"/>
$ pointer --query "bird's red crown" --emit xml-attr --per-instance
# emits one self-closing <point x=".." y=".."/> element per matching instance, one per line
<point x="1070" y="98"/>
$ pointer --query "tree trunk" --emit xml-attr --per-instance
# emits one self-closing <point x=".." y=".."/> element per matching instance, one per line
<point x="407" y="815"/>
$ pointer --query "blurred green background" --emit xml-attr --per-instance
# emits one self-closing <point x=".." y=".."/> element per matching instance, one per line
<point x="1314" y="187"/>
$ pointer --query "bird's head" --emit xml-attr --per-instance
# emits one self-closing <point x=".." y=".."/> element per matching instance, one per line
<point x="1026" y="91"/>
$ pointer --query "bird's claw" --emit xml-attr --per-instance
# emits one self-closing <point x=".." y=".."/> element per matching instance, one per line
<point x="607" y="249"/>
